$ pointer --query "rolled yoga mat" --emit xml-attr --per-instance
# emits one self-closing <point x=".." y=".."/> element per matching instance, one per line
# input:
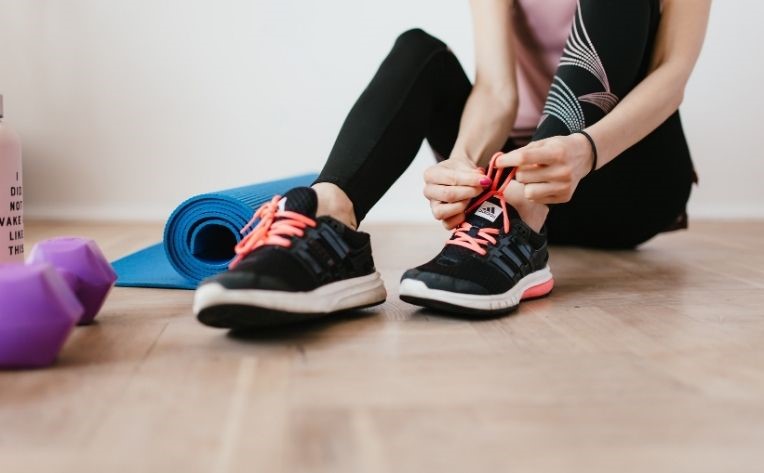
<point x="199" y="237"/>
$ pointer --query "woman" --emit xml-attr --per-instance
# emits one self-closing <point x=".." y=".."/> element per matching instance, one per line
<point x="582" y="99"/>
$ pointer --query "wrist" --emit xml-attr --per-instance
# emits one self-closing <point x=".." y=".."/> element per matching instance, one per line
<point x="586" y="151"/>
<point x="462" y="158"/>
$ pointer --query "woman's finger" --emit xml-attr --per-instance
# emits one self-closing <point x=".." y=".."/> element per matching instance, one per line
<point x="453" y="177"/>
<point x="443" y="211"/>
<point x="529" y="155"/>
<point x="539" y="191"/>
<point x="454" y="221"/>
<point x="534" y="174"/>
<point x="450" y="193"/>
<point x="556" y="199"/>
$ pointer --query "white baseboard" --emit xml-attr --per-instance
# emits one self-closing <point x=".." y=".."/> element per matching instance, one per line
<point x="726" y="212"/>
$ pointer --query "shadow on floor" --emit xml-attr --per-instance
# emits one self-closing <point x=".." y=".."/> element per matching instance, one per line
<point x="299" y="331"/>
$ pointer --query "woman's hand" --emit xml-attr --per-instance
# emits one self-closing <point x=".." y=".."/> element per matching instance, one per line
<point x="551" y="169"/>
<point x="450" y="185"/>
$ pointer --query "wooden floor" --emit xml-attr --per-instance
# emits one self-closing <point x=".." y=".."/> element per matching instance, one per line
<point x="643" y="361"/>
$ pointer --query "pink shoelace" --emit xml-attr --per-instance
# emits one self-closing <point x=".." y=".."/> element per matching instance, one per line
<point x="270" y="231"/>
<point x="484" y="236"/>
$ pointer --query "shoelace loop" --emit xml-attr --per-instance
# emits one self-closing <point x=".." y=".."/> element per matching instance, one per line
<point x="275" y="228"/>
<point x="484" y="236"/>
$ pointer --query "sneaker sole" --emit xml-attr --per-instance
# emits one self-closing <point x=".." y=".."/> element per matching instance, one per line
<point x="217" y="306"/>
<point x="535" y="285"/>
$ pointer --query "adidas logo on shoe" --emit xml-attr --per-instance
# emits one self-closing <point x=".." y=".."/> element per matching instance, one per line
<point x="489" y="211"/>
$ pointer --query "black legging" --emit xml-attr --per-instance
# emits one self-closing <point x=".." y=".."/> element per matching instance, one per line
<point x="420" y="90"/>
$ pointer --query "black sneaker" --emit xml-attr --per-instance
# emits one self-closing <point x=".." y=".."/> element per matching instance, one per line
<point x="491" y="262"/>
<point x="291" y="267"/>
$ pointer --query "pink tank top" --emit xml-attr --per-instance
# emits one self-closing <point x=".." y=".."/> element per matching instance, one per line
<point x="540" y="29"/>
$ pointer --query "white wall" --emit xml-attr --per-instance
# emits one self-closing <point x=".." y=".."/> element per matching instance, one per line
<point x="127" y="107"/>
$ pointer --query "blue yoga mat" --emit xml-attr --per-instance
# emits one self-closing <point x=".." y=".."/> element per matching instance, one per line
<point x="199" y="237"/>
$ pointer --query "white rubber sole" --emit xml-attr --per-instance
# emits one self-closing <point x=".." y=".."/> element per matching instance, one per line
<point x="536" y="284"/>
<point x="341" y="295"/>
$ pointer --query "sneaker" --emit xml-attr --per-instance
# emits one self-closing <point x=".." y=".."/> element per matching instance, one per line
<point x="292" y="266"/>
<point x="491" y="262"/>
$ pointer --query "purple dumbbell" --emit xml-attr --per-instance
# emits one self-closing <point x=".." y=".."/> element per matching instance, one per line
<point x="83" y="267"/>
<point x="37" y="314"/>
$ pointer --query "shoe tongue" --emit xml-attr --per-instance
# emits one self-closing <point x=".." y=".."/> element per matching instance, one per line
<point x="488" y="214"/>
<point x="302" y="200"/>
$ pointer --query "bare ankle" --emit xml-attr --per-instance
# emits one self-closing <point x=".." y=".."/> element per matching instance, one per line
<point x="532" y="213"/>
<point x="333" y="202"/>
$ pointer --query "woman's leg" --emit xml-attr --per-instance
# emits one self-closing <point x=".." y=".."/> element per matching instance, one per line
<point x="418" y="92"/>
<point x="645" y="189"/>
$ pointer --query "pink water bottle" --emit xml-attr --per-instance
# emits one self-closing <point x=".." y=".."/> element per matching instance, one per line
<point x="11" y="195"/>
